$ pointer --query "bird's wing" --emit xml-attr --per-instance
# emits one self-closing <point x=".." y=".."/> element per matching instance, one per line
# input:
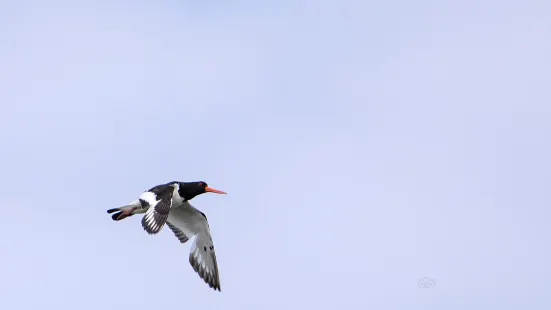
<point x="186" y="221"/>
<point x="157" y="214"/>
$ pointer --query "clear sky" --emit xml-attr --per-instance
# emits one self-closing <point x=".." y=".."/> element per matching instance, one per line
<point x="364" y="145"/>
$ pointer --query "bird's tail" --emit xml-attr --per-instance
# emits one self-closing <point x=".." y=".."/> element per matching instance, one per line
<point x="120" y="213"/>
<point x="126" y="211"/>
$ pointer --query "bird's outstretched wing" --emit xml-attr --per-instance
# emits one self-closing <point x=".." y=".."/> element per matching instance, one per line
<point x="185" y="222"/>
<point x="157" y="214"/>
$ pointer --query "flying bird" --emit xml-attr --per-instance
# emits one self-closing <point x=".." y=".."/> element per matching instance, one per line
<point x="169" y="204"/>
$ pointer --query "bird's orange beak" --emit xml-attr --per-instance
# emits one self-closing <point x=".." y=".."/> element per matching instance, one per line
<point x="212" y="190"/>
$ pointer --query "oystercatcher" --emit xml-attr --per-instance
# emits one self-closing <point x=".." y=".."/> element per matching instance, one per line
<point x="169" y="204"/>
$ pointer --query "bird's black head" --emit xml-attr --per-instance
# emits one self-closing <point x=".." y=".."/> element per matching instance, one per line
<point x="188" y="190"/>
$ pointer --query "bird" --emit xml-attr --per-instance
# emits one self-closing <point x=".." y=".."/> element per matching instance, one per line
<point x="168" y="204"/>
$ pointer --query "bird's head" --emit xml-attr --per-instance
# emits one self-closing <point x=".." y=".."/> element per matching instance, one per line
<point x="188" y="190"/>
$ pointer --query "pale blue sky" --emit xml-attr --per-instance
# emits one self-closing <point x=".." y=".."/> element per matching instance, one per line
<point x="364" y="145"/>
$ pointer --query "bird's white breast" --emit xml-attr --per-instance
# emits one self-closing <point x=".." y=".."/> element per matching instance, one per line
<point x="176" y="198"/>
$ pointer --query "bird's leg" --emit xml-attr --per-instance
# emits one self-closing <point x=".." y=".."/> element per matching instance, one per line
<point x="126" y="213"/>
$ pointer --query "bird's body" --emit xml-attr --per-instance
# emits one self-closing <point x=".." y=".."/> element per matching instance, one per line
<point x="169" y="204"/>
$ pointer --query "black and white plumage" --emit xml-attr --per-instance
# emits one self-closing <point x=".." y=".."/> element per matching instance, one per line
<point x="185" y="221"/>
<point x="160" y="198"/>
<point x="169" y="204"/>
